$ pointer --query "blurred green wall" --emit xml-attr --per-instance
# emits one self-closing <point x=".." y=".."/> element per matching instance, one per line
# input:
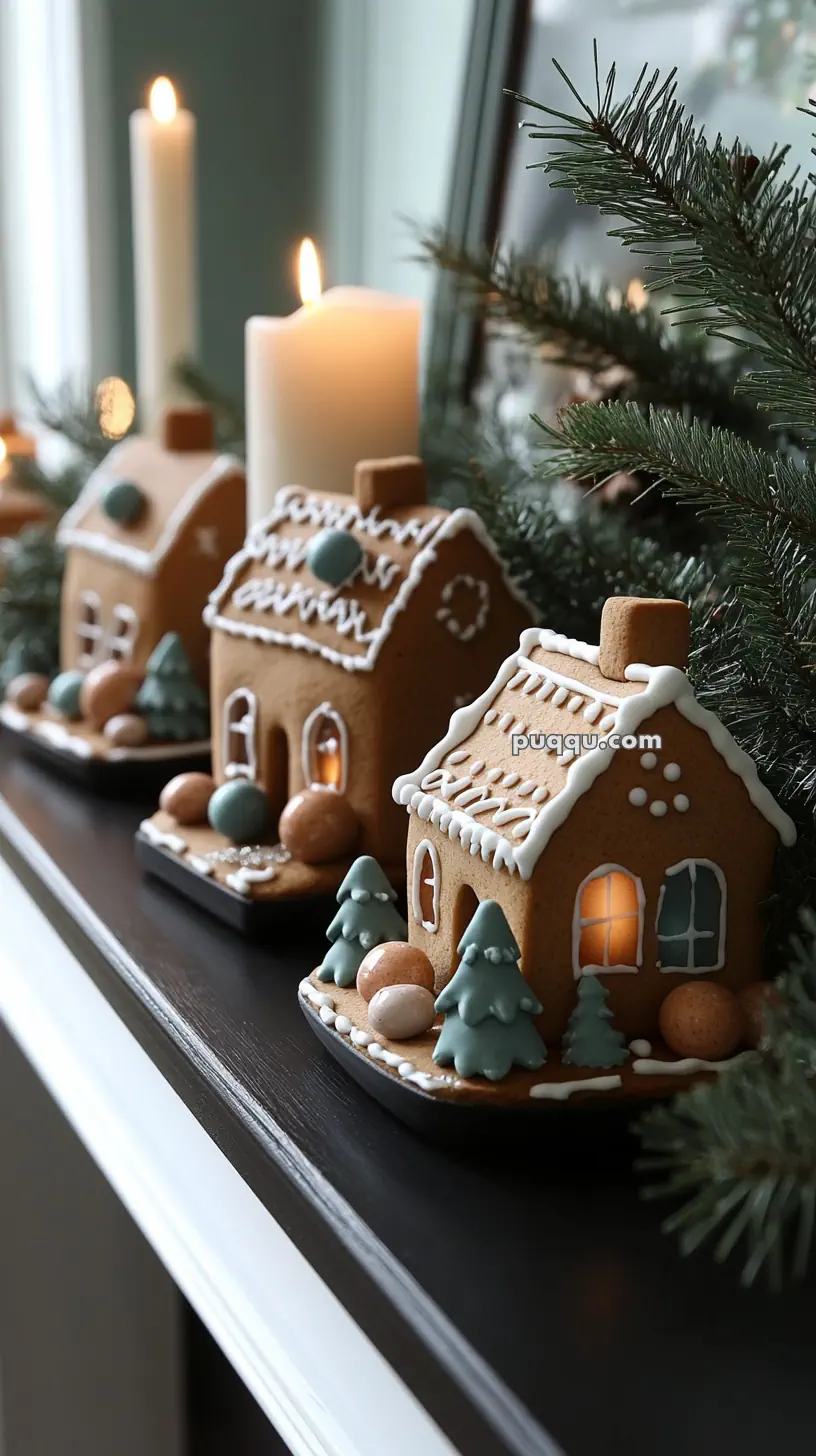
<point x="251" y="72"/>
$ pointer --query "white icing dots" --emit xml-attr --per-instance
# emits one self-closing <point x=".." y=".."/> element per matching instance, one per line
<point x="638" y="797"/>
<point x="658" y="808"/>
<point x="640" y="1047"/>
<point x="648" y="760"/>
<point x="672" y="772"/>
<point x="681" y="803"/>
<point x="510" y="779"/>
<point x="490" y="716"/>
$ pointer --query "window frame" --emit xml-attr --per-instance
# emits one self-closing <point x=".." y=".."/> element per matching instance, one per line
<point x="122" y="613"/>
<point x="90" y="631"/>
<point x="425" y="846"/>
<point x="692" y="934"/>
<point x="246" y="727"/>
<point x="325" y="710"/>
<point x="579" y="923"/>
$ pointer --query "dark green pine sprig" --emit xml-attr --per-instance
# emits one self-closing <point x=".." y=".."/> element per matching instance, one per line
<point x="729" y="233"/>
<point x="583" y="327"/>
<point x="740" y="1152"/>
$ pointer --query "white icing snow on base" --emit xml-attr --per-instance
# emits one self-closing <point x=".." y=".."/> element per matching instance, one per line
<point x="640" y="1047"/>
<point x="648" y="1067"/>
<point x="161" y="838"/>
<point x="201" y="866"/>
<point x="243" y="880"/>
<point x="324" y="1005"/>
<point x="60" y="737"/>
<point x="157" y="751"/>
<point x="560" y="1091"/>
<point x="14" y="717"/>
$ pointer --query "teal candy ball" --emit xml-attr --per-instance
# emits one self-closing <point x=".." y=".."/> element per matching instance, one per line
<point x="240" y="811"/>
<point x="63" y="694"/>
<point x="333" y="556"/>
<point x="123" y="502"/>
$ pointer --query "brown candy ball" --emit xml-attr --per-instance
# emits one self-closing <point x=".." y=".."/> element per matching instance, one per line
<point x="318" y="826"/>
<point x="126" y="730"/>
<point x="393" y="964"/>
<point x="27" y="691"/>
<point x="701" y="1019"/>
<point x="108" y="690"/>
<point x="754" y="1001"/>
<point x="187" y="796"/>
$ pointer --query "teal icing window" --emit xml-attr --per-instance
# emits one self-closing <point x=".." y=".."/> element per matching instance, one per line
<point x="691" y="917"/>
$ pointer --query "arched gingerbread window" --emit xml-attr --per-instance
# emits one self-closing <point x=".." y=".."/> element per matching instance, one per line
<point x="325" y="748"/>
<point x="240" y="735"/>
<point x="425" y="881"/>
<point x="691" y="917"/>
<point x="88" y="629"/>
<point x="607" y="927"/>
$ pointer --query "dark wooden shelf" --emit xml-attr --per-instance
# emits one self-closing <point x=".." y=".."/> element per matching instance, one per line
<point x="525" y="1295"/>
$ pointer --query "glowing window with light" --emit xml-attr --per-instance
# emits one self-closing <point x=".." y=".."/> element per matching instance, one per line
<point x="608" y="922"/>
<point x="325" y="748"/>
<point x="240" y="735"/>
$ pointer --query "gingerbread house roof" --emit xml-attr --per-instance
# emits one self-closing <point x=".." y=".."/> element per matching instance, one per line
<point x="268" y="592"/>
<point x="173" y="482"/>
<point x="468" y="783"/>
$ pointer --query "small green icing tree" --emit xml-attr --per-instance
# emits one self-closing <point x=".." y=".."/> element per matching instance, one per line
<point x="488" y="1004"/>
<point x="366" y="918"/>
<point x="590" y="1040"/>
<point x="170" y="698"/>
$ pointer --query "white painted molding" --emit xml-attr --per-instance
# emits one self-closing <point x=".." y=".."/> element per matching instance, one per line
<point x="271" y="1314"/>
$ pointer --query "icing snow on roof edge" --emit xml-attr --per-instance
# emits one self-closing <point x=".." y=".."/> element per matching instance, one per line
<point x="450" y="525"/>
<point x="664" y="686"/>
<point x="142" y="561"/>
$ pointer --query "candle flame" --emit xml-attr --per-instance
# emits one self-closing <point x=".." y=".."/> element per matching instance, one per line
<point x="115" y="407"/>
<point x="311" y="285"/>
<point x="163" y="103"/>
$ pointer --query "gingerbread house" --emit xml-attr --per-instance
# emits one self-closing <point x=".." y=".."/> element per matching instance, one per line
<point x="614" y="820"/>
<point x="146" y="543"/>
<point x="334" y="685"/>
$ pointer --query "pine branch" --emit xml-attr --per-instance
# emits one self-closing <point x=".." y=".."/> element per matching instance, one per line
<point x="59" y="491"/>
<point x="735" y="238"/>
<point x="741" y="1151"/>
<point x="73" y="414"/>
<point x="578" y="326"/>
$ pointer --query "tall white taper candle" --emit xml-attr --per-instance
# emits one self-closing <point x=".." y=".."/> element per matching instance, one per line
<point x="162" y="161"/>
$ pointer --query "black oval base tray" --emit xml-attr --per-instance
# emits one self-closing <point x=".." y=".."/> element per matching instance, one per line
<point x="121" y="778"/>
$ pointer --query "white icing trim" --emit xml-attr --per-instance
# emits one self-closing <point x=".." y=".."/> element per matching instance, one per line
<point x="425" y="846"/>
<point x="144" y="563"/>
<point x="444" y="614"/>
<point x="161" y="838"/>
<point x="646" y="1067"/>
<point x="640" y="1047"/>
<point x="89" y="630"/>
<point x="560" y="1091"/>
<point x="14" y="718"/>
<point x="308" y="747"/>
<point x="63" y="738"/>
<point x="156" y="751"/>
<point x="365" y="1041"/>
<point x="244" y="727"/>
<point x="579" y="923"/>
<point x="293" y="504"/>
<point x="243" y="879"/>
<point x="120" y="645"/>
<point x="201" y="866"/>
<point x="664" y="686"/>
<point x="689" y="969"/>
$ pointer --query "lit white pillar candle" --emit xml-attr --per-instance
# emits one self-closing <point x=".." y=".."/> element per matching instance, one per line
<point x="334" y="383"/>
<point x="162" y="163"/>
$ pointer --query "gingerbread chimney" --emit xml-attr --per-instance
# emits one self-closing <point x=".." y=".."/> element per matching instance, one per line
<point x="400" y="481"/>
<point x="649" y="630"/>
<point x="188" y="428"/>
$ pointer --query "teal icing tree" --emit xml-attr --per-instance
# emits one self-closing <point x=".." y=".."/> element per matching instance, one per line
<point x="366" y="918"/>
<point x="170" y="698"/>
<point x="488" y="1005"/>
<point x="590" y="1040"/>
